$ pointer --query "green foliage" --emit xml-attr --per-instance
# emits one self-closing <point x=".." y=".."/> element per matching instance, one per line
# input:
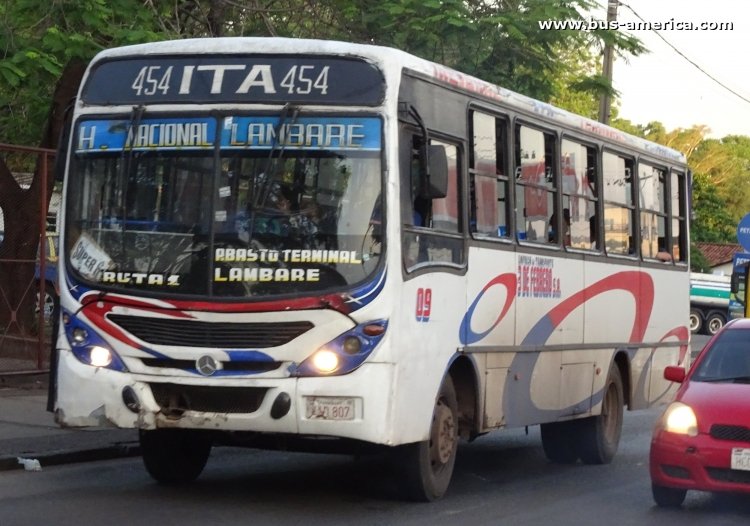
<point x="698" y="261"/>
<point x="499" y="41"/>
<point x="712" y="221"/>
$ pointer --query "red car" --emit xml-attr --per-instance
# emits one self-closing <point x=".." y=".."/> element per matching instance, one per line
<point x="702" y="441"/>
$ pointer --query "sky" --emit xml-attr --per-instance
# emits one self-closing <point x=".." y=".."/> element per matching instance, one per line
<point x="663" y="86"/>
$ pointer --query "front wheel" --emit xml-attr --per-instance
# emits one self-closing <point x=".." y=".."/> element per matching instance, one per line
<point x="668" y="497"/>
<point x="599" y="436"/>
<point x="174" y="456"/>
<point x="426" y="467"/>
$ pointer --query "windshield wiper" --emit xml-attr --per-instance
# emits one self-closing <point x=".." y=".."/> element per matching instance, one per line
<point x="262" y="188"/>
<point x="272" y="161"/>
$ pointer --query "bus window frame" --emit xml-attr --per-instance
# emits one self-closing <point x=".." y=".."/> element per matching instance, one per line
<point x="642" y="209"/>
<point x="597" y="199"/>
<point x="633" y="207"/>
<point x="407" y="132"/>
<point x="682" y="216"/>
<point x="554" y="189"/>
<point x="504" y="177"/>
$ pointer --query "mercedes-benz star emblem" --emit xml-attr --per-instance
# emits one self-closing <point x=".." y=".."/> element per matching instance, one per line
<point x="207" y="365"/>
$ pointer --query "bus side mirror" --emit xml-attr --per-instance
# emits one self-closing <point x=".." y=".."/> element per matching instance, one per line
<point x="435" y="182"/>
<point x="735" y="283"/>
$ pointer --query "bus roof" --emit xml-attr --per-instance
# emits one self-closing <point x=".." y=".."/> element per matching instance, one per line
<point x="386" y="57"/>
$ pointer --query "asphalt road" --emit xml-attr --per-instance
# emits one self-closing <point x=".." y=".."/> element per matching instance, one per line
<point x="502" y="478"/>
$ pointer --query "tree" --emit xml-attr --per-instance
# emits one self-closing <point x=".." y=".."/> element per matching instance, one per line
<point x="45" y="45"/>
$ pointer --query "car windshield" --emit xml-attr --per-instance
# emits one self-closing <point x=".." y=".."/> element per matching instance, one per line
<point x="727" y="360"/>
<point x="259" y="215"/>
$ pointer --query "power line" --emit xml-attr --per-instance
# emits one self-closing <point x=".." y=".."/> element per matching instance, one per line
<point x="706" y="73"/>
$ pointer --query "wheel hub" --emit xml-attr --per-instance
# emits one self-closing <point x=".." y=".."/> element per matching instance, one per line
<point x="443" y="434"/>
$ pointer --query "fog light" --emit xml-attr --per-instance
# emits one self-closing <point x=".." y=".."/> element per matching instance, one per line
<point x="325" y="361"/>
<point x="79" y="336"/>
<point x="99" y="356"/>
<point x="130" y="399"/>
<point x="352" y="345"/>
<point x="281" y="406"/>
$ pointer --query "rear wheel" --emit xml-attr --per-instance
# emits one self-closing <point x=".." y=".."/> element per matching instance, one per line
<point x="714" y="322"/>
<point x="668" y="497"/>
<point x="174" y="456"/>
<point x="558" y="442"/>
<point x="696" y="321"/>
<point x="599" y="436"/>
<point x="426" y="467"/>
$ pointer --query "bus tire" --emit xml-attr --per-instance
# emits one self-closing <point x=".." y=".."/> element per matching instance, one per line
<point x="174" y="456"/>
<point x="599" y="436"/>
<point x="558" y="442"/>
<point x="426" y="467"/>
<point x="714" y="322"/>
<point x="695" y="321"/>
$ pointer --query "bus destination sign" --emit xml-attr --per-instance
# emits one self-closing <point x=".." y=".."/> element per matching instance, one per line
<point x="234" y="79"/>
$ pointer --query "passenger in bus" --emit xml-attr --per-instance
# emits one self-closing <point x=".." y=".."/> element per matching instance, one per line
<point x="566" y="227"/>
<point x="662" y="254"/>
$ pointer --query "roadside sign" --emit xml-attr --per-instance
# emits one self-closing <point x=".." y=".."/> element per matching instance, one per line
<point x="739" y="260"/>
<point x="743" y="232"/>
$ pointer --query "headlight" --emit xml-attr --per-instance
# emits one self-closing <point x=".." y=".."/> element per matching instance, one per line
<point x="680" y="418"/>
<point x="99" y="356"/>
<point x="325" y="361"/>
<point x="344" y="353"/>
<point x="88" y="346"/>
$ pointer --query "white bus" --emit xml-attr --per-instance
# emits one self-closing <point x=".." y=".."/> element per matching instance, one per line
<point x="329" y="245"/>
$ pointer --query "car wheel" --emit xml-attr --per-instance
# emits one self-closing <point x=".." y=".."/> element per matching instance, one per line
<point x="668" y="497"/>
<point x="599" y="436"/>
<point x="714" y="322"/>
<point x="426" y="467"/>
<point x="696" y="321"/>
<point x="174" y="456"/>
<point x="50" y="306"/>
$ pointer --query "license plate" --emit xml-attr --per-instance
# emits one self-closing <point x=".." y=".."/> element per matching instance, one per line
<point x="741" y="458"/>
<point x="329" y="408"/>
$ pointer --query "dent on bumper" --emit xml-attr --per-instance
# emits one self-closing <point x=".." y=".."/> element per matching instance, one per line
<point x="89" y="396"/>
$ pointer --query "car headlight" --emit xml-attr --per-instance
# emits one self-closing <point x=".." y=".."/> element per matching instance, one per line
<point x="680" y="418"/>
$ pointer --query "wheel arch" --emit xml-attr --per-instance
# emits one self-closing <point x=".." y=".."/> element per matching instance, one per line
<point x="463" y="372"/>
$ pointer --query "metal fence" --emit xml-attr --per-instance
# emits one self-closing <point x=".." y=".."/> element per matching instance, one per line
<point x="26" y="349"/>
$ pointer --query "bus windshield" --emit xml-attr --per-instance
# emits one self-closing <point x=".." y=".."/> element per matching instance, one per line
<point x="268" y="208"/>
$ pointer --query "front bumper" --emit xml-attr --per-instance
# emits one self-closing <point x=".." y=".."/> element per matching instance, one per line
<point x="698" y="463"/>
<point x="89" y="396"/>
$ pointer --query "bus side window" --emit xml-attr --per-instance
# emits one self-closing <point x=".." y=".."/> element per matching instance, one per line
<point x="619" y="208"/>
<point x="536" y="183"/>
<point x="489" y="180"/>
<point x="578" y="163"/>
<point x="678" y="216"/>
<point x="434" y="217"/>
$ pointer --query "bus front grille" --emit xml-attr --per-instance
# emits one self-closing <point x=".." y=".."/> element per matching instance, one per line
<point x="191" y="333"/>
<point x="244" y="366"/>
<point x="174" y="399"/>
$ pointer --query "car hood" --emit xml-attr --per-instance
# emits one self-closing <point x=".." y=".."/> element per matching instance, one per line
<point x="718" y="403"/>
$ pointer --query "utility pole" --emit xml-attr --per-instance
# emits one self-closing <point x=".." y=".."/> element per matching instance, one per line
<point x="605" y="101"/>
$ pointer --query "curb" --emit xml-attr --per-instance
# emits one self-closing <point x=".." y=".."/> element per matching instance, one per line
<point x="54" y="458"/>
